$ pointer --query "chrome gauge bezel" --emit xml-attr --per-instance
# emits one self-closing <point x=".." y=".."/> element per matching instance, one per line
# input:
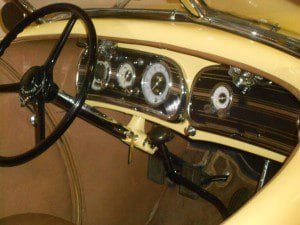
<point x="100" y="84"/>
<point x="122" y="82"/>
<point x="151" y="70"/>
<point x="96" y="84"/>
<point x="217" y="104"/>
<point x="81" y="69"/>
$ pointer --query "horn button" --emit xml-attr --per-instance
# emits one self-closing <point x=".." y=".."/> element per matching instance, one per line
<point x="36" y="84"/>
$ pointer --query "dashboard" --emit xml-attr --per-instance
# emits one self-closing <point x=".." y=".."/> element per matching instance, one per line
<point x="223" y="99"/>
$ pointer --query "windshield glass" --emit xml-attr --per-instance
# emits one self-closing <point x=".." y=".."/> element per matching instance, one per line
<point x="282" y="13"/>
<point x="137" y="4"/>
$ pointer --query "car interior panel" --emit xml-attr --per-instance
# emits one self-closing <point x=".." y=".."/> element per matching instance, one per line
<point x="150" y="112"/>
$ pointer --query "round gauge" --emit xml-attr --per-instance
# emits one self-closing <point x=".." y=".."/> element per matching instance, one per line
<point x="126" y="75"/>
<point x="221" y="97"/>
<point x="156" y="83"/>
<point x="102" y="74"/>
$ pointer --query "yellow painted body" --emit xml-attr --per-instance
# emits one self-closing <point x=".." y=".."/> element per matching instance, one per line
<point x="284" y="13"/>
<point x="279" y="201"/>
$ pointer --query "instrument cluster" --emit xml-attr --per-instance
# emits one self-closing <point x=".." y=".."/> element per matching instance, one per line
<point x="137" y="80"/>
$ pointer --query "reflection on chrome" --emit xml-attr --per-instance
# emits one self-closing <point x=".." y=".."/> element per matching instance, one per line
<point x="245" y="80"/>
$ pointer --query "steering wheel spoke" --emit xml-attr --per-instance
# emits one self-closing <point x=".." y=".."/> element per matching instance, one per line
<point x="36" y="85"/>
<point x="52" y="59"/>
<point x="39" y="121"/>
<point x="10" y="88"/>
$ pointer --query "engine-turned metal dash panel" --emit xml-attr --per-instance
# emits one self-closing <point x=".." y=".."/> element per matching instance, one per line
<point x="138" y="80"/>
<point x="235" y="103"/>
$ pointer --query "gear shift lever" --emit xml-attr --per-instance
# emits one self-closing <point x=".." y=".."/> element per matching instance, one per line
<point x="160" y="135"/>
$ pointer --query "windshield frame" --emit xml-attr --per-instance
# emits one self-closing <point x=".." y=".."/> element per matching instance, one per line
<point x="264" y="33"/>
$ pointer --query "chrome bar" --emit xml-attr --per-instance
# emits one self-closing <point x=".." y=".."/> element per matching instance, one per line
<point x="263" y="175"/>
<point x="121" y="4"/>
<point x="248" y="28"/>
<point x="200" y="6"/>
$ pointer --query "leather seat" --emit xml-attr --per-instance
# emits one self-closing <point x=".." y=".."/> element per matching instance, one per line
<point x="33" y="219"/>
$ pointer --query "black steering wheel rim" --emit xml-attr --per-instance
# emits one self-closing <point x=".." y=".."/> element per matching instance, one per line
<point x="76" y="13"/>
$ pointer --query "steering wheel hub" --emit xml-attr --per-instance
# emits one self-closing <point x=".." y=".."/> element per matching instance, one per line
<point x="32" y="84"/>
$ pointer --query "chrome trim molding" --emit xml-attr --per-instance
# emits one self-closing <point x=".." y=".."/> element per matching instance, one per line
<point x="212" y="18"/>
<point x="264" y="173"/>
<point x="252" y="30"/>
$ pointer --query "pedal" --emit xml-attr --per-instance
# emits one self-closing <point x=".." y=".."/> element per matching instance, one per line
<point x="156" y="171"/>
<point x="198" y="177"/>
<point x="195" y="175"/>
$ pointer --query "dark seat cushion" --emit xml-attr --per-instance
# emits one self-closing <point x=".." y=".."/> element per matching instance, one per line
<point x="33" y="219"/>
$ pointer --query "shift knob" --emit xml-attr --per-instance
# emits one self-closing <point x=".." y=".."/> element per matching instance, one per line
<point x="160" y="135"/>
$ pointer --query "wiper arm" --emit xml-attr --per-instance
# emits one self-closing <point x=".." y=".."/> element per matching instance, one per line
<point x="121" y="3"/>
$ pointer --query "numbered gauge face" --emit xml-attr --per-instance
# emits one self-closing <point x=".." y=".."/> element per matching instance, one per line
<point x="126" y="75"/>
<point x="102" y="75"/>
<point x="221" y="97"/>
<point x="156" y="83"/>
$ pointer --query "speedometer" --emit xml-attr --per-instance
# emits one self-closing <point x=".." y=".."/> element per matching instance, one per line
<point x="156" y="83"/>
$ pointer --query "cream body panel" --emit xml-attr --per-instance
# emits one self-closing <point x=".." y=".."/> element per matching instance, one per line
<point x="278" y="202"/>
<point x="200" y="135"/>
<point x="283" y="13"/>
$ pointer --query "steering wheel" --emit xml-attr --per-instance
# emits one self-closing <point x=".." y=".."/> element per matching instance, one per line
<point x="37" y="87"/>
